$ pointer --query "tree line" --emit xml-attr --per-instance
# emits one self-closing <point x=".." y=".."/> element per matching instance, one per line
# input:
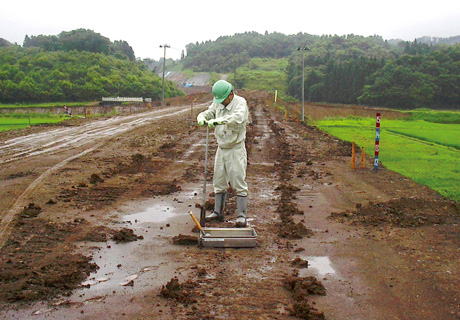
<point x="74" y="70"/>
<point x="431" y="80"/>
<point x="225" y="54"/>
<point x="422" y="76"/>
<point x="346" y="69"/>
<point x="83" y="65"/>
<point x="81" y="40"/>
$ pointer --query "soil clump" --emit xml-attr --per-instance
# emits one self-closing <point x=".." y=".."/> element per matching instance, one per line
<point x="300" y="288"/>
<point x="182" y="293"/>
<point x="185" y="240"/>
<point x="125" y="235"/>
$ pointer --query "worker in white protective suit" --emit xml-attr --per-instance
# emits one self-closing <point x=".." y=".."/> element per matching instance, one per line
<point x="229" y="115"/>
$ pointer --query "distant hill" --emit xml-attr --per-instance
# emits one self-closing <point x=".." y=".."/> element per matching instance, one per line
<point x="81" y="40"/>
<point x="230" y="52"/>
<point x="430" y="40"/>
<point x="345" y="69"/>
<point x="435" y="41"/>
<point x="5" y="43"/>
<point x="227" y="53"/>
<point x="79" y="65"/>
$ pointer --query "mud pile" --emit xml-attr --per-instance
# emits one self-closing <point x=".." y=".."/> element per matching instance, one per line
<point x="37" y="262"/>
<point x="138" y="163"/>
<point x="125" y="235"/>
<point x="185" y="240"/>
<point x="98" y="234"/>
<point x="162" y="188"/>
<point x="182" y="293"/>
<point x="299" y="263"/>
<point x="300" y="288"/>
<point x="404" y="213"/>
<point x="284" y="167"/>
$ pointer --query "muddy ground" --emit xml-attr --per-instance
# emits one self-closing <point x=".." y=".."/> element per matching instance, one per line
<point x="95" y="224"/>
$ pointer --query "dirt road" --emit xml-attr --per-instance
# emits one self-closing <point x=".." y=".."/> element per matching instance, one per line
<point x="91" y="215"/>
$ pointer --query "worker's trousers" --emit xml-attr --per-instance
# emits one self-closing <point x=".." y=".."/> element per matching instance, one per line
<point x="230" y="167"/>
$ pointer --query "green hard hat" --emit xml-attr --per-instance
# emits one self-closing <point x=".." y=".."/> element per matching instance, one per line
<point x="220" y="90"/>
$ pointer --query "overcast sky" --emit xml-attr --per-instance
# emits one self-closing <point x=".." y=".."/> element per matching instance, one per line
<point x="145" y="25"/>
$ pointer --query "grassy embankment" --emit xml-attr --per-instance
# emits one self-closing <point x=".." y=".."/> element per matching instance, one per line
<point x="425" y="147"/>
<point x="263" y="74"/>
<point x="257" y="74"/>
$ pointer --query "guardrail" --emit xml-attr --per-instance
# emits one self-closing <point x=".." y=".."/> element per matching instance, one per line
<point x="124" y="99"/>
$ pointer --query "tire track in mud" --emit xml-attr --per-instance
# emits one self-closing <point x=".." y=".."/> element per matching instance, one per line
<point x="57" y="140"/>
<point x="18" y="204"/>
<point x="43" y="144"/>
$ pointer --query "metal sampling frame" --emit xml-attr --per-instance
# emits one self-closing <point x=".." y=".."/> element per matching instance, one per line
<point x="228" y="238"/>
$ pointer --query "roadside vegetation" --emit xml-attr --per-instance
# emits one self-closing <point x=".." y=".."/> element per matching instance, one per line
<point x="48" y="104"/>
<point x="435" y="116"/>
<point x="14" y="121"/>
<point x="425" y="151"/>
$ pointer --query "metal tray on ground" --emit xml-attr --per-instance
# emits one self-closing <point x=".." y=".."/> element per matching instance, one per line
<point x="228" y="238"/>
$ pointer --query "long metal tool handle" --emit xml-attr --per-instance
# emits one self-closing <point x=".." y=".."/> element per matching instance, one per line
<point x="203" y="211"/>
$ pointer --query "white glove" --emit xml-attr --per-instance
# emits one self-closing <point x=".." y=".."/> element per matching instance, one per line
<point x="201" y="120"/>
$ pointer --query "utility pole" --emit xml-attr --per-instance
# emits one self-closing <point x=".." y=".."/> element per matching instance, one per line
<point x="164" y="63"/>
<point x="303" y="81"/>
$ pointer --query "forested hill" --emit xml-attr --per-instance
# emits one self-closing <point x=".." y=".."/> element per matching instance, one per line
<point x="344" y="69"/>
<point x="81" y="40"/>
<point x="79" y="65"/>
<point x="4" y="43"/>
<point x="229" y="52"/>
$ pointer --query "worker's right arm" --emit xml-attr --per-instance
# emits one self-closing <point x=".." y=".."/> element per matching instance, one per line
<point x="206" y="115"/>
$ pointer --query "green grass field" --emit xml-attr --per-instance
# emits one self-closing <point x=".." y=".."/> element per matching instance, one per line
<point x="18" y="121"/>
<point x="424" y="151"/>
<point x="47" y="104"/>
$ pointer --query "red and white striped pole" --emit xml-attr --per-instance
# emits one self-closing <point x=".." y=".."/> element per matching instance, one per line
<point x="377" y="142"/>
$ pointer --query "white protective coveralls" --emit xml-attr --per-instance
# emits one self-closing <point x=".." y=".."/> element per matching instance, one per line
<point x="231" y="158"/>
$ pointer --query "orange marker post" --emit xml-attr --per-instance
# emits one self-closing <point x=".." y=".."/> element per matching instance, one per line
<point x="362" y="158"/>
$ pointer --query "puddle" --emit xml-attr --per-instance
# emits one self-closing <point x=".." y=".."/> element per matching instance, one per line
<point x="157" y="213"/>
<point x="322" y="265"/>
<point x="267" y="195"/>
<point x="116" y="272"/>
<point x="126" y="269"/>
